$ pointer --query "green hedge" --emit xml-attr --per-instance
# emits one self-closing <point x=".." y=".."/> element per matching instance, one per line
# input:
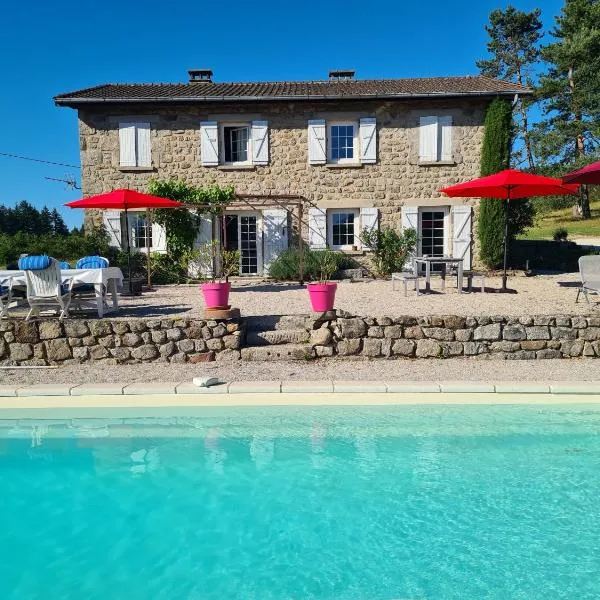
<point x="287" y="265"/>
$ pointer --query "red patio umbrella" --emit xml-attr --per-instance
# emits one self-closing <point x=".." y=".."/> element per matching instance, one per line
<point x="508" y="185"/>
<point x="124" y="200"/>
<point x="588" y="174"/>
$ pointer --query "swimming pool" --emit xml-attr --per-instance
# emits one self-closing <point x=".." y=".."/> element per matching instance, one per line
<point x="369" y="503"/>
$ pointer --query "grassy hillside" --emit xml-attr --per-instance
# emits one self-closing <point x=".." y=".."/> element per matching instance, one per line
<point x="547" y="223"/>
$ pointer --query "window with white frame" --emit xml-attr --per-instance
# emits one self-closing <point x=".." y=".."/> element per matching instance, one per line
<point x="236" y="143"/>
<point x="134" y="144"/>
<point x="140" y="230"/>
<point x="343" y="228"/>
<point x="342" y="142"/>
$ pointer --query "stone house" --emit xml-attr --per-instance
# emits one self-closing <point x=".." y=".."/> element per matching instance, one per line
<point x="362" y="153"/>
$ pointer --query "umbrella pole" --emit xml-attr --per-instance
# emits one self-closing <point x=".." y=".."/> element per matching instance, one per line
<point x="148" y="234"/>
<point x="504" y="277"/>
<point x="128" y="252"/>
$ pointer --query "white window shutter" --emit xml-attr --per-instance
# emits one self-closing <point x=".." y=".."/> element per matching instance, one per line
<point x="127" y="145"/>
<point x="462" y="238"/>
<point x="112" y="224"/>
<point x="410" y="220"/>
<point x="445" y="138"/>
<point x="275" y="235"/>
<point x="159" y="238"/>
<point x="428" y="130"/>
<point x="201" y="267"/>
<point x="317" y="148"/>
<point x="209" y="143"/>
<point x="369" y="219"/>
<point x="368" y="140"/>
<point x="144" y="157"/>
<point x="317" y="228"/>
<point x="260" y="142"/>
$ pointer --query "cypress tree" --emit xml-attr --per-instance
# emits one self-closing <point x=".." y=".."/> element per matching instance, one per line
<point x="495" y="156"/>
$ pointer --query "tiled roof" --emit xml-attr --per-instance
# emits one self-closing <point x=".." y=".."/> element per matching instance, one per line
<point x="207" y="91"/>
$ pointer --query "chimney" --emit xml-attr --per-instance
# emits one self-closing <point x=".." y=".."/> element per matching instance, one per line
<point x="338" y="75"/>
<point x="200" y="75"/>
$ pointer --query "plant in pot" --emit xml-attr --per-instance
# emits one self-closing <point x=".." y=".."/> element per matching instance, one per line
<point x="322" y="294"/>
<point x="222" y="264"/>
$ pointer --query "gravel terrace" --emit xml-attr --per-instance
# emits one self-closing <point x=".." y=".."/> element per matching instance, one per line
<point x="540" y="295"/>
<point x="430" y="370"/>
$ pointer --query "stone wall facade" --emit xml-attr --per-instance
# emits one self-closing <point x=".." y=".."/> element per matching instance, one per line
<point x="52" y="342"/>
<point x="396" y="179"/>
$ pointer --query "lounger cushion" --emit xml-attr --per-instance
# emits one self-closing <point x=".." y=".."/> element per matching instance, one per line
<point x="91" y="262"/>
<point x="64" y="265"/>
<point x="34" y="263"/>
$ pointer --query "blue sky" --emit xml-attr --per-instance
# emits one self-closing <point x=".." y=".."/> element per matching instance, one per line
<point x="47" y="48"/>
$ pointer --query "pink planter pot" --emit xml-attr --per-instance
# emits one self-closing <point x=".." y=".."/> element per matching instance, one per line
<point x="322" y="296"/>
<point x="216" y="295"/>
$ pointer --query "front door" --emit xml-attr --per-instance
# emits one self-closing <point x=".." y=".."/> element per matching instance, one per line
<point x="242" y="233"/>
<point x="433" y="232"/>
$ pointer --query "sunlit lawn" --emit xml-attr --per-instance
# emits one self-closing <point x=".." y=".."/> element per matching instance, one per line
<point x="546" y="224"/>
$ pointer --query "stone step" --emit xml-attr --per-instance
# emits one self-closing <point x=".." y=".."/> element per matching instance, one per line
<point x="277" y="336"/>
<point x="280" y="352"/>
<point x="270" y="322"/>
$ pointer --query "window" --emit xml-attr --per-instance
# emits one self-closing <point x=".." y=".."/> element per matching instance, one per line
<point x="435" y="139"/>
<point x="433" y="228"/>
<point x="342" y="143"/>
<point x="236" y="144"/>
<point x="343" y="228"/>
<point x="140" y="231"/>
<point x="134" y="144"/>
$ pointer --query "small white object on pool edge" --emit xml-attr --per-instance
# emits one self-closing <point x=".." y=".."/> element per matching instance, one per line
<point x="205" y="381"/>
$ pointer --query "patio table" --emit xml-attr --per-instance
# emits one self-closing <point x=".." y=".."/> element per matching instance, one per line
<point x="439" y="260"/>
<point x="111" y="278"/>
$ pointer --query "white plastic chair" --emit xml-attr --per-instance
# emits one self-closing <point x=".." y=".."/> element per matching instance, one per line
<point x="5" y="296"/>
<point x="589" y="269"/>
<point x="45" y="288"/>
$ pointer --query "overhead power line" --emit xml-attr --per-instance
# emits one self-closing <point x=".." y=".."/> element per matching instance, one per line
<point x="47" y="162"/>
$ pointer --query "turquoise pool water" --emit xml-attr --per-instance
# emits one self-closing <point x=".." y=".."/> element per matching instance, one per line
<point x="369" y="503"/>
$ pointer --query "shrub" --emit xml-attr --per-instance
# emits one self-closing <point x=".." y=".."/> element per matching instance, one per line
<point x="287" y="265"/>
<point x="390" y="248"/>
<point x="560" y="234"/>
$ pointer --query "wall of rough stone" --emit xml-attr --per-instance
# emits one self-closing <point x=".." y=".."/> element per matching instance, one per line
<point x="51" y="341"/>
<point x="190" y="340"/>
<point x="396" y="179"/>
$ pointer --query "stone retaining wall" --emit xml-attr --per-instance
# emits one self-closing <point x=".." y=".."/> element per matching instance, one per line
<point x="495" y="337"/>
<point x="50" y="342"/>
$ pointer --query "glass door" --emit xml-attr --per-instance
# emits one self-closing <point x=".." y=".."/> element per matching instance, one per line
<point x="432" y="234"/>
<point x="241" y="233"/>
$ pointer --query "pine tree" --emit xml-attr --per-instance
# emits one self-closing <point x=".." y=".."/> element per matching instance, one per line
<point x="514" y="48"/>
<point x="58" y="225"/>
<point x="570" y="90"/>
<point x="45" y="222"/>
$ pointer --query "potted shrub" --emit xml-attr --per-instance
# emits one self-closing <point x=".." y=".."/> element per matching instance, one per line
<point x="322" y="294"/>
<point x="216" y="293"/>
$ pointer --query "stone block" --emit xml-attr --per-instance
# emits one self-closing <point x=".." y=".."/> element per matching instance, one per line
<point x="383" y="322"/>
<point x="174" y="334"/>
<point x="100" y="328"/>
<point x="514" y="333"/>
<point x="179" y="357"/>
<point x="393" y="332"/>
<point x="483" y="321"/>
<point x="231" y="342"/>
<point x="436" y="321"/>
<point x="463" y="335"/>
<point x="146" y="337"/>
<point x="488" y="332"/>
<point x="158" y="336"/>
<point x="526" y="321"/>
<point x="348" y="347"/>
<point x="145" y="352"/>
<point x="121" y="353"/>
<point x="454" y="322"/>
<point x="81" y="353"/>
<point x="214" y="344"/>
<point x="548" y="353"/>
<point x="186" y="345"/>
<point x="579" y="322"/>
<point x="590" y="334"/>
<point x="538" y="333"/>
<point x="39" y="350"/>
<point x="543" y="320"/>
<point x="199" y="346"/>
<point x="588" y="349"/>
<point x="413" y="333"/>
<point x="131" y="340"/>
<point x="321" y="337"/>
<point x="593" y="321"/>
<point x="520" y="355"/>
<point x="452" y="349"/>
<point x="137" y="326"/>
<point x="219" y="331"/>
<point x="322" y="351"/>
<point x="371" y="347"/>
<point x="376" y="331"/>
<point x="19" y="351"/>
<point x="439" y="333"/>
<point x="201" y="357"/>
<point x="428" y="349"/>
<point x="353" y="328"/>
<point x="504" y="346"/>
<point x="98" y="352"/>
<point x="533" y="344"/>
<point x="26" y="332"/>
<point x="88" y="340"/>
<point x="563" y="321"/>
<point x="474" y="348"/>
<point x="167" y="349"/>
<point x="50" y="330"/>
<point x="572" y="347"/>
<point x="120" y="327"/>
<point x="57" y="350"/>
<point x="563" y="333"/>
<point x="228" y="355"/>
<point x="406" y="321"/>
<point x="108" y="341"/>
<point x="75" y="342"/>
